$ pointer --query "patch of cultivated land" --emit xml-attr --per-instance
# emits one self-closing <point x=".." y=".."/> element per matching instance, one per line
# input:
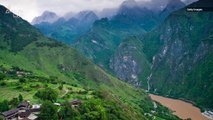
<point x="14" y="88"/>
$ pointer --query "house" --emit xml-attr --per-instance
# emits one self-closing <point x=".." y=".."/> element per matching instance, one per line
<point x="22" y="112"/>
<point x="75" y="103"/>
<point x="11" y="114"/>
<point x="36" y="108"/>
<point x="24" y="104"/>
<point x="22" y="73"/>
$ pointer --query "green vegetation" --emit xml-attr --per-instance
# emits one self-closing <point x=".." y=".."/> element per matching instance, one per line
<point x="4" y="106"/>
<point x="48" y="111"/>
<point x="38" y="90"/>
<point x="29" y="69"/>
<point x="100" y="43"/>
<point x="181" y="50"/>
<point x="47" y="94"/>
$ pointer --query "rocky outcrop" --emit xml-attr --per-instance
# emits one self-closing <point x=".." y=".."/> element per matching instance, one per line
<point x="130" y="64"/>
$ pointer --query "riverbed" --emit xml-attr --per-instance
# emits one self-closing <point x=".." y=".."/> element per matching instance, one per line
<point x="181" y="108"/>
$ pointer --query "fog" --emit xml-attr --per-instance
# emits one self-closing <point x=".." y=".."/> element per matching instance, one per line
<point x="28" y="9"/>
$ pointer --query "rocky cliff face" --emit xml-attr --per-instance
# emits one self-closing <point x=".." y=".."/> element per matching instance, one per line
<point x="131" y="19"/>
<point x="171" y="6"/>
<point x="129" y="62"/>
<point x="181" y="63"/>
<point x="182" y="46"/>
<point x="178" y="56"/>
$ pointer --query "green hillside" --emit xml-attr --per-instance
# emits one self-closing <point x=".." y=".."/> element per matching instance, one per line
<point x="101" y="41"/>
<point x="47" y="64"/>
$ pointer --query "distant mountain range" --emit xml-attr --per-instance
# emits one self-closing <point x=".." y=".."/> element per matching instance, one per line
<point x="164" y="49"/>
<point x="100" y="43"/>
<point x="68" y="28"/>
<point x="129" y="14"/>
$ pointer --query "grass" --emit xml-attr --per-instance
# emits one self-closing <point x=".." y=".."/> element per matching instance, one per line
<point x="11" y="91"/>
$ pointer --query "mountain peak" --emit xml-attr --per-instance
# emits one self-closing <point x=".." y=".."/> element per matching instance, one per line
<point x="175" y="4"/>
<point x="171" y="6"/>
<point x="47" y="16"/>
<point x="129" y="4"/>
<point x="85" y="15"/>
<point x="48" y="13"/>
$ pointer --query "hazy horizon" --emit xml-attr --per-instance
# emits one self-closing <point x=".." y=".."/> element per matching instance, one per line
<point x="29" y="9"/>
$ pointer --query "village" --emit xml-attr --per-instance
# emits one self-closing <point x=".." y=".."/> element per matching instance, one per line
<point x="36" y="90"/>
<point x="25" y="111"/>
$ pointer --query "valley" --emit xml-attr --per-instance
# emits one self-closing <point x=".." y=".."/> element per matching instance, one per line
<point x="46" y="72"/>
<point x="136" y="61"/>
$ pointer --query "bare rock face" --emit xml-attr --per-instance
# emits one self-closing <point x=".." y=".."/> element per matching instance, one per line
<point x="126" y="69"/>
<point x="129" y="63"/>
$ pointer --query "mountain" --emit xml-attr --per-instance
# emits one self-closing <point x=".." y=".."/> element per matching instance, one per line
<point x="184" y="59"/>
<point x="171" y="6"/>
<point x="107" y="13"/>
<point x="105" y="36"/>
<point x="129" y="63"/>
<point x="129" y="4"/>
<point x="24" y="48"/>
<point x="178" y="54"/>
<point x="47" y="16"/>
<point x="131" y="15"/>
<point x="70" y="27"/>
<point x="122" y="62"/>
<point x="101" y="41"/>
<point x="69" y="15"/>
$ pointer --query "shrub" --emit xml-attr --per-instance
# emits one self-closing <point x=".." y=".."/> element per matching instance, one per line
<point x="47" y="94"/>
<point x="3" y="84"/>
<point x="48" y="111"/>
<point x="4" y="106"/>
<point x="2" y="76"/>
<point x="22" y="80"/>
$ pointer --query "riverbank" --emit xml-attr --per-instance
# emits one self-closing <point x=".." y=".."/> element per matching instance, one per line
<point x="181" y="108"/>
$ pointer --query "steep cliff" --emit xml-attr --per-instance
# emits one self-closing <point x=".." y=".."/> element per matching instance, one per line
<point x="180" y="54"/>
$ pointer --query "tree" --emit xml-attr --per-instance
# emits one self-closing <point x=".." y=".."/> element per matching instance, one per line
<point x="67" y="112"/>
<point x="4" y="106"/>
<point x="20" y="98"/>
<point x="22" y="80"/>
<point x="93" y="115"/>
<point x="60" y="87"/>
<point x="47" y="94"/>
<point x="14" y="102"/>
<point x="48" y="111"/>
<point x="2" y="76"/>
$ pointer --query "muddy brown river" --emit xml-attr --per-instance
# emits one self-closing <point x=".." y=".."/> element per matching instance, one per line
<point x="181" y="108"/>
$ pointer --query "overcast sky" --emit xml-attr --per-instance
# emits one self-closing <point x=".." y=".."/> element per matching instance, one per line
<point x="28" y="9"/>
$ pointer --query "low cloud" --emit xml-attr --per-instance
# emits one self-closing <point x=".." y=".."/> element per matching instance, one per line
<point x="28" y="9"/>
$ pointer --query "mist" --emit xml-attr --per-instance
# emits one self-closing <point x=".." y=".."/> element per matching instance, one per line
<point x="28" y="9"/>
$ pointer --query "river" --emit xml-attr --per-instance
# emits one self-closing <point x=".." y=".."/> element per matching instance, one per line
<point x="181" y="108"/>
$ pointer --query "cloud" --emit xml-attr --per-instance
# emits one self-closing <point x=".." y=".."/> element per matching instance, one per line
<point x="24" y="8"/>
<point x="28" y="9"/>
